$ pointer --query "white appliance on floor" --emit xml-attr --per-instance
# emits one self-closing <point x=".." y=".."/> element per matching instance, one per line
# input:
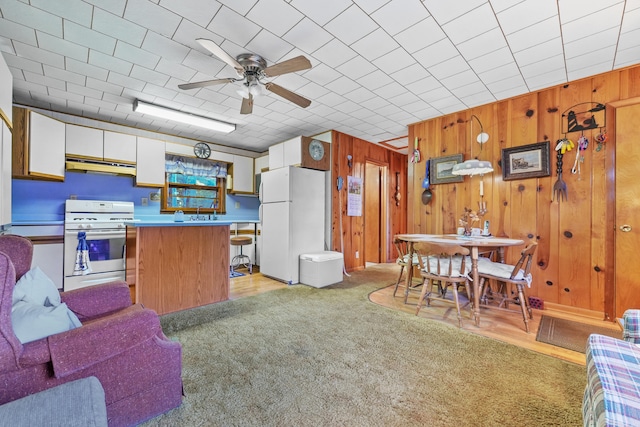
<point x="291" y="218"/>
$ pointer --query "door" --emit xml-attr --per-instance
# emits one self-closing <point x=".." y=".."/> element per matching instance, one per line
<point x="627" y="206"/>
<point x="375" y="213"/>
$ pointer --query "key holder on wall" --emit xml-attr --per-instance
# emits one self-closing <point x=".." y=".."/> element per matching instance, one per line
<point x="584" y="118"/>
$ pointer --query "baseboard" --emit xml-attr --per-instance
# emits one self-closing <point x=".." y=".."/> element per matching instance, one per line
<point x="559" y="308"/>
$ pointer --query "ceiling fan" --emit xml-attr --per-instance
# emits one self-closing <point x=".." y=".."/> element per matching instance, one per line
<point x="251" y="69"/>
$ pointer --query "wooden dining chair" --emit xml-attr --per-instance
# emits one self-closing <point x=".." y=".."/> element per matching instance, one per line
<point x="506" y="276"/>
<point x="443" y="266"/>
<point x="402" y="247"/>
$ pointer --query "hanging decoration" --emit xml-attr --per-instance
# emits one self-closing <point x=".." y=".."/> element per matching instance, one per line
<point x="584" y="118"/>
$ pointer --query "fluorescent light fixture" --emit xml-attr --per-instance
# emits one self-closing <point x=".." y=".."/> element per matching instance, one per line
<point x="179" y="116"/>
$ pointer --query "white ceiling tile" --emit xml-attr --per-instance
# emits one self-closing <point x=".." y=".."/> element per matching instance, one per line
<point x="360" y="94"/>
<point x="61" y="47"/>
<point x="471" y="24"/>
<point x="72" y="10"/>
<point x="322" y="74"/>
<point x="233" y="26"/>
<point x="527" y="13"/>
<point x="399" y="15"/>
<point x="370" y="6"/>
<point x="375" y="80"/>
<point x="152" y="16"/>
<point x="544" y="66"/>
<point x="209" y="66"/>
<point x="575" y="9"/>
<point x="356" y="67"/>
<point x="592" y="43"/>
<point x="32" y="17"/>
<point x="128" y="82"/>
<point x="389" y="90"/>
<point x="307" y="36"/>
<point x="590" y="68"/>
<point x="35" y="54"/>
<point x="342" y="85"/>
<point x="276" y="16"/>
<point x="103" y="86"/>
<point x="629" y="40"/>
<point x="443" y="12"/>
<point x="15" y="31"/>
<point x="630" y="20"/>
<point x="133" y="54"/>
<point x="475" y="87"/>
<point x="172" y="69"/>
<point x="552" y="78"/>
<point x="500" y="5"/>
<point x="539" y="52"/>
<point x="394" y="61"/>
<point x="491" y="60"/>
<point x="448" y="68"/>
<point x="89" y="70"/>
<point x="482" y="44"/>
<point x="113" y="6"/>
<point x="44" y="80"/>
<point x="375" y="44"/>
<point x="351" y="25"/>
<point x="321" y="12"/>
<point x="503" y="72"/>
<point x="84" y="91"/>
<point x="425" y="85"/>
<point x="436" y="95"/>
<point x="334" y="53"/>
<point x="268" y="46"/>
<point x="605" y="55"/>
<point x="420" y="35"/>
<point x="461" y="79"/>
<point x="86" y="37"/>
<point x="436" y="53"/>
<point x="509" y="83"/>
<point x="374" y="104"/>
<point x="588" y="25"/>
<point x="117" y="27"/>
<point x="410" y="74"/>
<point x="24" y="63"/>
<point x="194" y="10"/>
<point x="65" y="75"/>
<point x="402" y="99"/>
<point x="164" y="47"/>
<point x="534" y="34"/>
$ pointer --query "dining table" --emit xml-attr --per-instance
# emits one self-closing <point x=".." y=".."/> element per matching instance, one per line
<point x="476" y="245"/>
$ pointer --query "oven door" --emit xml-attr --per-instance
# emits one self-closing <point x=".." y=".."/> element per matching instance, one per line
<point x="106" y="256"/>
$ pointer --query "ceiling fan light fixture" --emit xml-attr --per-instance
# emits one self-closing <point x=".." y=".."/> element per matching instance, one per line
<point x="243" y="92"/>
<point x="180" y="116"/>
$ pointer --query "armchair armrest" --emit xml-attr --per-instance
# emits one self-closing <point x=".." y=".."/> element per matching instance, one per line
<point x="631" y="328"/>
<point x="98" y="300"/>
<point x="102" y="339"/>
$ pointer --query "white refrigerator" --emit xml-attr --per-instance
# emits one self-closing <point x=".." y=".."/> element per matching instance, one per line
<point x="291" y="219"/>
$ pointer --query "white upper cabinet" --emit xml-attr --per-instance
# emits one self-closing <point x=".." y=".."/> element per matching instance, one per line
<point x="96" y="144"/>
<point x="46" y="147"/>
<point x="120" y="147"/>
<point x="261" y="163"/>
<point x="276" y="156"/>
<point x="84" y="142"/>
<point x="150" y="167"/>
<point x="243" y="176"/>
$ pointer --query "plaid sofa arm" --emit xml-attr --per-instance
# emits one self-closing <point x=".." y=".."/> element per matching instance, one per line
<point x="612" y="394"/>
<point x="631" y="330"/>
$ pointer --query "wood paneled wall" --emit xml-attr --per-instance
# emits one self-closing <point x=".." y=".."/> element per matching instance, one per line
<point x="348" y="231"/>
<point x="572" y="237"/>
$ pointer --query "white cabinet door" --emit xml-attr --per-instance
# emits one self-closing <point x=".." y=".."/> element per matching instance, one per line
<point x="261" y="163"/>
<point x="46" y="147"/>
<point x="276" y="156"/>
<point x="242" y="174"/>
<point x="84" y="142"/>
<point x="293" y="152"/>
<point x="49" y="258"/>
<point x="120" y="147"/>
<point x="5" y="175"/>
<point x="150" y="162"/>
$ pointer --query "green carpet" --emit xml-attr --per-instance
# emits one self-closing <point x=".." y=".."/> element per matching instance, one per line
<point x="302" y="356"/>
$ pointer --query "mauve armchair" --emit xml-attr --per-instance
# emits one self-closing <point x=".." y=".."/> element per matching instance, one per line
<point x="120" y="343"/>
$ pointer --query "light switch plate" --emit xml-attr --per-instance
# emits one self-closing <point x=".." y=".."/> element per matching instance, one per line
<point x="145" y="201"/>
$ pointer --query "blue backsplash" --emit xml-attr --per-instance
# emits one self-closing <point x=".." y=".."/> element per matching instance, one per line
<point x="34" y="201"/>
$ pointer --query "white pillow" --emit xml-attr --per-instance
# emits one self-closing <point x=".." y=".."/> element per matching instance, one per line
<point x="34" y="321"/>
<point x="37" y="288"/>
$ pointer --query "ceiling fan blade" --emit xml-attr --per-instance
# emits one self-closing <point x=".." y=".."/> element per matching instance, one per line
<point x="289" y="66"/>
<point x="247" y="105"/>
<point x="287" y="94"/>
<point x="217" y="51"/>
<point x="205" y="83"/>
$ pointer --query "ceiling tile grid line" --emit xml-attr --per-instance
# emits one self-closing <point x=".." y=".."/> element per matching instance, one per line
<point x="377" y="65"/>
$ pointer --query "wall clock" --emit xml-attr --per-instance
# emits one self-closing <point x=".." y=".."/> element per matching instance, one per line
<point x="315" y="154"/>
<point x="202" y="150"/>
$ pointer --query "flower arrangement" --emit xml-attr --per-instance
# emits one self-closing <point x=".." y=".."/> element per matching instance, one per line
<point x="468" y="219"/>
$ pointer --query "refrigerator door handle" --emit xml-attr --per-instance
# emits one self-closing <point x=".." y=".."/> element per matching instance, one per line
<point x="260" y="191"/>
<point x="260" y="215"/>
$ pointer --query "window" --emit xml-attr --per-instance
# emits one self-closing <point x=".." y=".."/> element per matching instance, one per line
<point x="193" y="183"/>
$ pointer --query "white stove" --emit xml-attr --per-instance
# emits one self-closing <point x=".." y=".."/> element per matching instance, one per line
<point x="102" y="223"/>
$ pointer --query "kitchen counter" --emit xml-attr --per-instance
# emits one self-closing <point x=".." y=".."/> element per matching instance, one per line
<point x="178" y="265"/>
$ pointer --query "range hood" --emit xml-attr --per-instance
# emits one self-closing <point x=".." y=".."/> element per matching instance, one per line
<point x="98" y="166"/>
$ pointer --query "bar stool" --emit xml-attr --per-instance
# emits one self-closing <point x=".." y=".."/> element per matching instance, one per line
<point x="241" y="259"/>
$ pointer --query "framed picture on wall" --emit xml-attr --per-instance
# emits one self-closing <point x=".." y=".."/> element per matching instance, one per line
<point x="440" y="169"/>
<point x="526" y="161"/>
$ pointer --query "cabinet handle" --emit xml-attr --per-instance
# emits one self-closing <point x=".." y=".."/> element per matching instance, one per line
<point x="625" y="228"/>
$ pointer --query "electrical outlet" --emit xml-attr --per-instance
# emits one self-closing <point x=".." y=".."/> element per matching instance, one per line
<point x="145" y="201"/>
<point x="357" y="254"/>
<point x="237" y="205"/>
<point x="73" y="197"/>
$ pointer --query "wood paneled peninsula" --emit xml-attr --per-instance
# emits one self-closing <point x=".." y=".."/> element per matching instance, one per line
<point x="178" y="265"/>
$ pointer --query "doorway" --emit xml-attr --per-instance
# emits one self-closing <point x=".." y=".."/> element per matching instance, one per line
<point x="375" y="212"/>
<point x="627" y="206"/>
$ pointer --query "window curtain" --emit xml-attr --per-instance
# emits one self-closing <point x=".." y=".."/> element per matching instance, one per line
<point x="195" y="167"/>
